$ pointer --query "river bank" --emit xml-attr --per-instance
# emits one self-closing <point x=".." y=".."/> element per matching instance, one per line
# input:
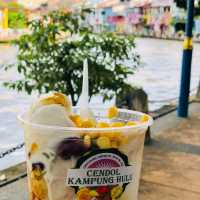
<point x="170" y="38"/>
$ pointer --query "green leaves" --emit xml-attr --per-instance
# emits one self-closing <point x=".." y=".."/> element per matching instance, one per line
<point x="17" y="19"/>
<point x="51" y="57"/>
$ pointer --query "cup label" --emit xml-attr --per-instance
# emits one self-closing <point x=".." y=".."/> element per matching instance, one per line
<point x="100" y="177"/>
<point x="101" y="168"/>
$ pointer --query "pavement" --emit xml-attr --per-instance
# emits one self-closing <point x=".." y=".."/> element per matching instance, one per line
<point x="171" y="163"/>
<point x="170" y="166"/>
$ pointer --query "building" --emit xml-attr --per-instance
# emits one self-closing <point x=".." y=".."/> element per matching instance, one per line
<point x="51" y="4"/>
<point x="32" y="4"/>
<point x="122" y="15"/>
<point x="112" y="13"/>
<point x="37" y="8"/>
<point x="5" y="6"/>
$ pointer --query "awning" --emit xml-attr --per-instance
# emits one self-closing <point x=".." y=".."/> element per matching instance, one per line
<point x="107" y="3"/>
<point x="140" y="4"/>
<point x="116" y="19"/>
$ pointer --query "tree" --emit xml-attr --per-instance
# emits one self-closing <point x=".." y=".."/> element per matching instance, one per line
<point x="51" y="58"/>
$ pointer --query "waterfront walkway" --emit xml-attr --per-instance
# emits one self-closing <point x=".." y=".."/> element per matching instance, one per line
<point x="171" y="164"/>
<point x="170" y="167"/>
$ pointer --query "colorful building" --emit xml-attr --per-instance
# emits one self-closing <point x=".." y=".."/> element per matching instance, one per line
<point x="51" y="4"/>
<point x="139" y="15"/>
<point x="4" y="13"/>
<point x="3" y="18"/>
<point x="7" y="7"/>
<point x="38" y="8"/>
<point x="113" y="17"/>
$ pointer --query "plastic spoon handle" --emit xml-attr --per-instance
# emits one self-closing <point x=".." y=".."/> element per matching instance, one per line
<point x="85" y="111"/>
<point x="85" y="87"/>
<point x="84" y="99"/>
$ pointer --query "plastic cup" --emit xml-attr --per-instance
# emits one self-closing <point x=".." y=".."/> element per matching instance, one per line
<point x="65" y="163"/>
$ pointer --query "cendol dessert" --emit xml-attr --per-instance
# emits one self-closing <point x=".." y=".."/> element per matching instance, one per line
<point x="72" y="157"/>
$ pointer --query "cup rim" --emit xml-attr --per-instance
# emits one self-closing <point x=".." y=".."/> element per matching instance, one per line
<point x="21" y="118"/>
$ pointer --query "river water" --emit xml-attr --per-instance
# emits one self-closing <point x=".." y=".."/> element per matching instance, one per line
<point x="159" y="77"/>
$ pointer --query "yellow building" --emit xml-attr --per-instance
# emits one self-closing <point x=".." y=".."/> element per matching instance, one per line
<point x="3" y="18"/>
<point x="5" y="7"/>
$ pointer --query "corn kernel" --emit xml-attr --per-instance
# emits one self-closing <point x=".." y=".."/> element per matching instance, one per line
<point x="124" y="140"/>
<point x="103" y="125"/>
<point x="48" y="101"/>
<point x="117" y="124"/>
<point x="112" y="112"/>
<point x="83" y="190"/>
<point x="93" y="134"/>
<point x="116" y="192"/>
<point x="114" y="144"/>
<point x="103" y="142"/>
<point x="88" y="123"/>
<point x="76" y="119"/>
<point x="56" y="98"/>
<point x="87" y="140"/>
<point x="83" y="193"/>
<point x="144" y="118"/>
<point x="93" y="193"/>
<point x="34" y="148"/>
<point x="114" y="135"/>
<point x="61" y="99"/>
<point x="103" y="134"/>
<point x="131" y="123"/>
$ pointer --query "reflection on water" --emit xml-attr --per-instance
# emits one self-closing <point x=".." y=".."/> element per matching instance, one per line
<point x="159" y="77"/>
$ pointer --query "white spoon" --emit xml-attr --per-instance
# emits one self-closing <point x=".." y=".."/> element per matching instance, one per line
<point x="85" y="111"/>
